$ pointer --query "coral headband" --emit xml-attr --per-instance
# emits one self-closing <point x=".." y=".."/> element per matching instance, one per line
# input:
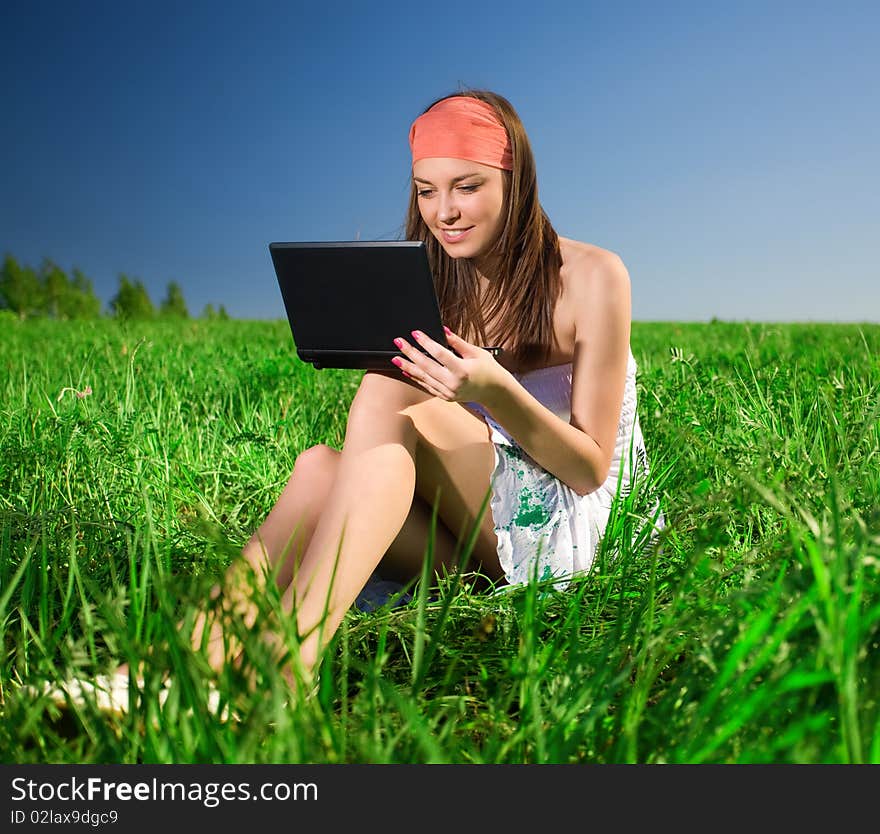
<point x="461" y="127"/>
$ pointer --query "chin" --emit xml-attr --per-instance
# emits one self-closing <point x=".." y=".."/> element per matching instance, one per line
<point x="456" y="251"/>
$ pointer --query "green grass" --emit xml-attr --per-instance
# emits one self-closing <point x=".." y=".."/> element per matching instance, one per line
<point x="747" y="634"/>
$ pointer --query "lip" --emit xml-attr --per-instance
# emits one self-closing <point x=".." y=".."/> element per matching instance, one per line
<point x="455" y="238"/>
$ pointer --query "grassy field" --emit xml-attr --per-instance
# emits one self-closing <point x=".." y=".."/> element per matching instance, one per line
<point x="136" y="460"/>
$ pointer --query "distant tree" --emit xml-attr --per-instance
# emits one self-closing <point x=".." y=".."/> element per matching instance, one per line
<point x="122" y="304"/>
<point x="212" y="314"/>
<point x="174" y="305"/>
<point x="55" y="289"/>
<point x="19" y="288"/>
<point x="144" y="305"/>
<point x="132" y="301"/>
<point x="81" y="301"/>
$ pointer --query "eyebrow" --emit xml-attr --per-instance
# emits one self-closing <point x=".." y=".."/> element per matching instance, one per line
<point x="454" y="180"/>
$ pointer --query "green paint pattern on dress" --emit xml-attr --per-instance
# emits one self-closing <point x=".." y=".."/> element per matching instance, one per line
<point x="532" y="513"/>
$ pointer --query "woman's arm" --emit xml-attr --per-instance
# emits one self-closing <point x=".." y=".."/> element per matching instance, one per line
<point x="579" y="452"/>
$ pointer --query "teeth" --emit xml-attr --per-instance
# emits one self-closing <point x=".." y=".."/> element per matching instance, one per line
<point x="455" y="233"/>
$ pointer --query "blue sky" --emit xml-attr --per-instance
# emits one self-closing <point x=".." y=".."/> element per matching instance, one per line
<point x="728" y="152"/>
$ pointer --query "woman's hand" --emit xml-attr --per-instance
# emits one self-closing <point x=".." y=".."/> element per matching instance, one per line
<point x="471" y="376"/>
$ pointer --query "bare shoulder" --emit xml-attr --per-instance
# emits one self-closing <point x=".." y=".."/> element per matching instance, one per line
<point x="591" y="272"/>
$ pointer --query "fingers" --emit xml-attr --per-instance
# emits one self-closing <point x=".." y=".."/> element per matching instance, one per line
<point x="425" y="370"/>
<point x="423" y="380"/>
<point x="442" y="354"/>
<point x="433" y="358"/>
<point x="460" y="347"/>
<point x="429" y="385"/>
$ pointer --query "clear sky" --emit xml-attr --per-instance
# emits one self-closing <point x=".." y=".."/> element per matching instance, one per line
<point x="727" y="151"/>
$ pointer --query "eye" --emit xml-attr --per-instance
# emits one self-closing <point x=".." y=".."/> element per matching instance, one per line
<point x="467" y="188"/>
<point x="425" y="192"/>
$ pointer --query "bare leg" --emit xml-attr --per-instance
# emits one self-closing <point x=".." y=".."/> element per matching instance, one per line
<point x="389" y="424"/>
<point x="398" y="440"/>
<point x="277" y="546"/>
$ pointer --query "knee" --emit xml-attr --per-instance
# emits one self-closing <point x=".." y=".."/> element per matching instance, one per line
<point x="378" y="394"/>
<point x="316" y="466"/>
<point x="376" y="389"/>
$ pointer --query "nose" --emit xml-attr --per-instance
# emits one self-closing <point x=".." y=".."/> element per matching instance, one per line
<point x="447" y="211"/>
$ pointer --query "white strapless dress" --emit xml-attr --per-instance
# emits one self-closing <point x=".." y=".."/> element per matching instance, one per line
<point x="544" y="528"/>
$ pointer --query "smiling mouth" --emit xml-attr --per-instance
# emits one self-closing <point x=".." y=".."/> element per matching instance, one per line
<point x="454" y="234"/>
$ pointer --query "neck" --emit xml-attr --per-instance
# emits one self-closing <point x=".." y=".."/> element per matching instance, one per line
<point x="488" y="267"/>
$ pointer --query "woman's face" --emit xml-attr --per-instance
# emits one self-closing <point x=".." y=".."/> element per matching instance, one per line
<point x="461" y="202"/>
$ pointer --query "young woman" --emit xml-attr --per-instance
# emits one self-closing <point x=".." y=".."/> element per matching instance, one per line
<point x="548" y="427"/>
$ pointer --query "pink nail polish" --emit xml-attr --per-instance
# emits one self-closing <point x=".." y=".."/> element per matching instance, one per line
<point x="398" y="342"/>
<point x="396" y="360"/>
<point x="446" y="330"/>
<point x="417" y="334"/>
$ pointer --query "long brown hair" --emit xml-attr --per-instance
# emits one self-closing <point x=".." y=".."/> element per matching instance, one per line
<point x="519" y="301"/>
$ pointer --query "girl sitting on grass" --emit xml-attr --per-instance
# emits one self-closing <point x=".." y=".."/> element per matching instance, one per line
<point x="548" y="428"/>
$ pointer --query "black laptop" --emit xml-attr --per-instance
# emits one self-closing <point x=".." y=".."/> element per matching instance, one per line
<point x="346" y="301"/>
